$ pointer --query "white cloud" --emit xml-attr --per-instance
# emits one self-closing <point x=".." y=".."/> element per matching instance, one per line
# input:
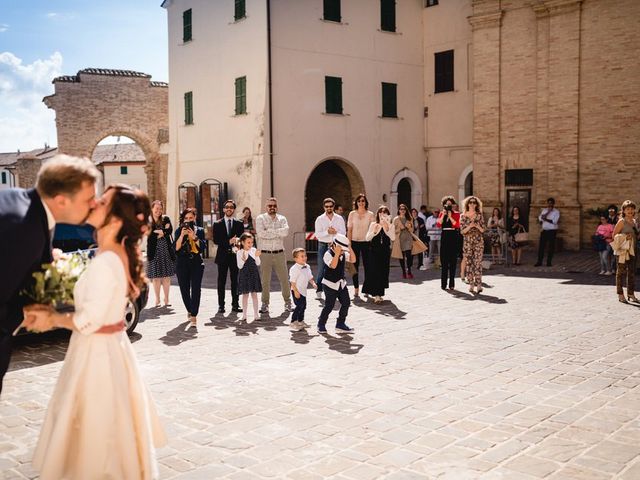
<point x="3" y="27"/>
<point x="52" y="14"/>
<point x="26" y="122"/>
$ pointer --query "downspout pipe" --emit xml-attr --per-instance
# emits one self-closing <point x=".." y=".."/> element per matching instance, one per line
<point x="270" y="152"/>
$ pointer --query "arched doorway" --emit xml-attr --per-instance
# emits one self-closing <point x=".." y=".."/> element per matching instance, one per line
<point x="404" y="192"/>
<point x="89" y="106"/>
<point x="333" y="178"/>
<point x="406" y="188"/>
<point x="121" y="160"/>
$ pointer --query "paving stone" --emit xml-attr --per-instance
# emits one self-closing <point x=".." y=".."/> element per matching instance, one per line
<point x="431" y="385"/>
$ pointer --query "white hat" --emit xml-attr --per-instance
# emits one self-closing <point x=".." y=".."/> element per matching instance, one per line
<point x="341" y="240"/>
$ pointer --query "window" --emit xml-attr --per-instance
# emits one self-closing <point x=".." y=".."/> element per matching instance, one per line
<point x="124" y="170"/>
<point x="431" y="3"/>
<point x="444" y="71"/>
<point x="518" y="177"/>
<point x="186" y="26"/>
<point x="388" y="15"/>
<point x="241" y="95"/>
<point x="389" y="99"/>
<point x="240" y="10"/>
<point x="4" y="178"/>
<point x="333" y="94"/>
<point x="188" y="108"/>
<point x="332" y="10"/>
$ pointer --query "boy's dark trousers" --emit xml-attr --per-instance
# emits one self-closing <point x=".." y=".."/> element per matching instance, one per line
<point x="331" y="296"/>
<point x="301" y="306"/>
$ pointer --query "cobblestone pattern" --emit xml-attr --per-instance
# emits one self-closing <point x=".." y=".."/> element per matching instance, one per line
<point x="537" y="378"/>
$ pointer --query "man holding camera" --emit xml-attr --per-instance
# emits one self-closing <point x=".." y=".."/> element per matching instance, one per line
<point x="549" y="219"/>
<point x="226" y="233"/>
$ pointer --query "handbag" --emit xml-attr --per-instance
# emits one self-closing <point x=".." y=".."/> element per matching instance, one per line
<point x="418" y="246"/>
<point x="522" y="237"/>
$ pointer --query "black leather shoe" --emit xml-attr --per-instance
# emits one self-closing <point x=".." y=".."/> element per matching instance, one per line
<point x="236" y="309"/>
<point x="221" y="310"/>
<point x="538" y="264"/>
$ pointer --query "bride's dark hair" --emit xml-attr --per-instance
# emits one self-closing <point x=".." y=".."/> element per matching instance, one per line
<point x="133" y="208"/>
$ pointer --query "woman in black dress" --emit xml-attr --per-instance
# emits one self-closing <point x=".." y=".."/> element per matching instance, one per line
<point x="380" y="235"/>
<point x="161" y="257"/>
<point x="449" y="221"/>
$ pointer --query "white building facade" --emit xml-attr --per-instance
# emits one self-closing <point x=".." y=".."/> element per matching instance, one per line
<point x="348" y="82"/>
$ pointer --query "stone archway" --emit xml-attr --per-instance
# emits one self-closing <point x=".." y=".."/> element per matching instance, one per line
<point x="97" y="103"/>
<point x="465" y="183"/>
<point x="411" y="184"/>
<point x="335" y="178"/>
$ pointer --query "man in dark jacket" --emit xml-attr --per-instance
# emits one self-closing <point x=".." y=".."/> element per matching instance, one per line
<point x="65" y="192"/>
<point x="226" y="232"/>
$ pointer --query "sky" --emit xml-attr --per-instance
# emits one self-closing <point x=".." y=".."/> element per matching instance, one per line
<point x="42" y="39"/>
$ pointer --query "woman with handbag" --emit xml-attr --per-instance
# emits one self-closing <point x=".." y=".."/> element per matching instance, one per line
<point x="472" y="229"/>
<point x="403" y="226"/>
<point x="421" y="232"/>
<point x="518" y="235"/>
<point x="161" y="257"/>
<point x="380" y="235"/>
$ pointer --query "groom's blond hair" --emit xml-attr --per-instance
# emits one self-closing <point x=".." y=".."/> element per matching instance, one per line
<point x="65" y="175"/>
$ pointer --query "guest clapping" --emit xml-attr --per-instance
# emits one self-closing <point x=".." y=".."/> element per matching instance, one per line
<point x="472" y="228"/>
<point x="403" y="225"/>
<point x="380" y="235"/>
<point x="602" y="243"/>
<point x="515" y="225"/>
<point x="495" y="225"/>
<point x="357" y="227"/>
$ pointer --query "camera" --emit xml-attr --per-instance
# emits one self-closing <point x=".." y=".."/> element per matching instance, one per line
<point x="448" y="207"/>
<point x="189" y="225"/>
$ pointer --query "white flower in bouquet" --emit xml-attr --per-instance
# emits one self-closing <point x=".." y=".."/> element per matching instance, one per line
<point x="54" y="284"/>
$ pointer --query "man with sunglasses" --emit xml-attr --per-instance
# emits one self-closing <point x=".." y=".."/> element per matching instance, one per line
<point x="327" y="226"/>
<point x="271" y="229"/>
<point x="226" y="233"/>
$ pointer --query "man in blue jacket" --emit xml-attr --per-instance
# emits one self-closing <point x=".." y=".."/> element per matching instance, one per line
<point x="65" y="192"/>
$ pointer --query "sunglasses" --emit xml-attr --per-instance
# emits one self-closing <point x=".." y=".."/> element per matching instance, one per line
<point x="229" y="208"/>
<point x="328" y="206"/>
<point x="472" y="201"/>
<point x="272" y="206"/>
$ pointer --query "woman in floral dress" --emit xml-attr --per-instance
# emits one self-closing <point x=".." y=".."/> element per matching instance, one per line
<point x="472" y="227"/>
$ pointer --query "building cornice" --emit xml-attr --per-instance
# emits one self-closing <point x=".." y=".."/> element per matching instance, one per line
<point x="546" y="8"/>
<point x="485" y="20"/>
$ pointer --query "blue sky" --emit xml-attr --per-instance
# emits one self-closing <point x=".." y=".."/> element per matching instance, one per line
<point x="41" y="39"/>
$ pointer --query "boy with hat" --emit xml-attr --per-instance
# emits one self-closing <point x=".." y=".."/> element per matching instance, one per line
<point x="336" y="284"/>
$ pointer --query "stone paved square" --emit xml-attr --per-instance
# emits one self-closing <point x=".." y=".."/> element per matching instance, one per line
<point x="537" y="378"/>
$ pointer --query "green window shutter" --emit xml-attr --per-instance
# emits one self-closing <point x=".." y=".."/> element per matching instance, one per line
<point x="388" y="15"/>
<point x="333" y="94"/>
<point x="188" y="108"/>
<point x="332" y="10"/>
<point x="241" y="95"/>
<point x="4" y="177"/>
<point x="124" y="170"/>
<point x="443" y="72"/>
<point x="186" y="26"/>
<point x="389" y="99"/>
<point x="240" y="9"/>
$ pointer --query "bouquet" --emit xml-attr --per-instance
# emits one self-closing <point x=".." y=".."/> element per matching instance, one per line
<point x="54" y="285"/>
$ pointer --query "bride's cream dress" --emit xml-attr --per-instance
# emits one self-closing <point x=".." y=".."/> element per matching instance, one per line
<point x="101" y="422"/>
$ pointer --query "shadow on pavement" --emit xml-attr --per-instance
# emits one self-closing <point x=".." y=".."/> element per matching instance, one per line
<point x="180" y="334"/>
<point x="342" y="344"/>
<point x="244" y="329"/>
<point x="37" y="349"/>
<point x="485" y="298"/>
<point x="386" y="308"/>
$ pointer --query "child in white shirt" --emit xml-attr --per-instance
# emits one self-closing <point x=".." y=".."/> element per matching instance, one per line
<point x="300" y="276"/>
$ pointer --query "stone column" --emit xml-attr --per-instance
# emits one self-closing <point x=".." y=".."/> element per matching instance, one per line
<point x="487" y="176"/>
<point x="558" y="91"/>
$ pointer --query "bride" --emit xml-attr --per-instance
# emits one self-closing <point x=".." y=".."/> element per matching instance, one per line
<point x="101" y="421"/>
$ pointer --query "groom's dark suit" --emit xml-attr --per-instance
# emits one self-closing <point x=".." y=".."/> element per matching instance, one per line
<point x="25" y="244"/>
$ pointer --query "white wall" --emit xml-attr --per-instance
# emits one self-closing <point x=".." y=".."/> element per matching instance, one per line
<point x="136" y="176"/>
<point x="219" y="144"/>
<point x="306" y="49"/>
<point x="10" y="181"/>
<point x="449" y="130"/>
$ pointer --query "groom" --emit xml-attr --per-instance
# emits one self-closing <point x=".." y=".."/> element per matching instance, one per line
<point x="65" y="192"/>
